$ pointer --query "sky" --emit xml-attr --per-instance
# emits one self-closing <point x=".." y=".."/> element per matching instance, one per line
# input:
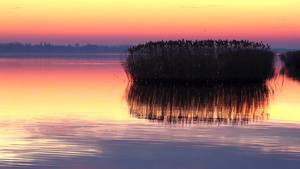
<point x="116" y="22"/>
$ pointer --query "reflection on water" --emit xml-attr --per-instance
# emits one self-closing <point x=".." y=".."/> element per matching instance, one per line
<point x="20" y="145"/>
<point x="209" y="103"/>
<point x="71" y="113"/>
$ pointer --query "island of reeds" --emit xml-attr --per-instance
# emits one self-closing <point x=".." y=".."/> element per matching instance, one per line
<point x="204" y="61"/>
<point x="291" y="64"/>
<point x="229" y="103"/>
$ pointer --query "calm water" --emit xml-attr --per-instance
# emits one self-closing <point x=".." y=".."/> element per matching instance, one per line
<point x="80" y="112"/>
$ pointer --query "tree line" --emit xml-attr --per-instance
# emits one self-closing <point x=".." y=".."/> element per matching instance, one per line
<point x="45" y="47"/>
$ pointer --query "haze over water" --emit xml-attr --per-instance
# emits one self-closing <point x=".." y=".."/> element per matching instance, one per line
<point x="76" y="113"/>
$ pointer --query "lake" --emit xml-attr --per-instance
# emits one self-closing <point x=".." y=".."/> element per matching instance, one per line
<point x="68" y="111"/>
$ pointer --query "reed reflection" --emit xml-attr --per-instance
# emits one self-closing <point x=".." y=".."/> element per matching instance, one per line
<point x="213" y="104"/>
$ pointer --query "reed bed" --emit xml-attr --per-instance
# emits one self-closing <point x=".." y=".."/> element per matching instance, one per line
<point x="205" y="103"/>
<point x="291" y="61"/>
<point x="199" y="61"/>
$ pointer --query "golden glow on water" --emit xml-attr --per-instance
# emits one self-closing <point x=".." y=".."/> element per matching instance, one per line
<point x="54" y="90"/>
<point x="67" y="107"/>
<point x="285" y="107"/>
<point x="33" y="88"/>
<point x="41" y="88"/>
<point x="41" y="98"/>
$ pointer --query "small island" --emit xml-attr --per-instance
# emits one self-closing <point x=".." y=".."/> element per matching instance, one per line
<point x="291" y="64"/>
<point x="199" y="61"/>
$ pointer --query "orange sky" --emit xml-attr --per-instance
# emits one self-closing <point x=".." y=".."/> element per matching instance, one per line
<point x="131" y="21"/>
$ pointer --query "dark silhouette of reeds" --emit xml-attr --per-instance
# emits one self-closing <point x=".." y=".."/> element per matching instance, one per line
<point x="291" y="61"/>
<point x="199" y="61"/>
<point x="205" y="103"/>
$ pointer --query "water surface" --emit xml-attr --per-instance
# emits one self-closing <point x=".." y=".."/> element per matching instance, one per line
<point x="80" y="112"/>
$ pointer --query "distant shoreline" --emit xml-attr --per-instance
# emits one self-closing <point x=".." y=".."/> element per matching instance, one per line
<point x="63" y="53"/>
<point x="114" y="56"/>
<point x="282" y="50"/>
<point x="47" y="48"/>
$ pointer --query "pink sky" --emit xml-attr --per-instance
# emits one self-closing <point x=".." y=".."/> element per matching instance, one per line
<point x="116" y="22"/>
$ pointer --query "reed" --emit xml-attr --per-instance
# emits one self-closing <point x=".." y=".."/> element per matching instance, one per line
<point x="291" y="62"/>
<point x="199" y="61"/>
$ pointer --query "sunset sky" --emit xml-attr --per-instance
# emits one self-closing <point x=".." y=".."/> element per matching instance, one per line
<point x="114" y="22"/>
